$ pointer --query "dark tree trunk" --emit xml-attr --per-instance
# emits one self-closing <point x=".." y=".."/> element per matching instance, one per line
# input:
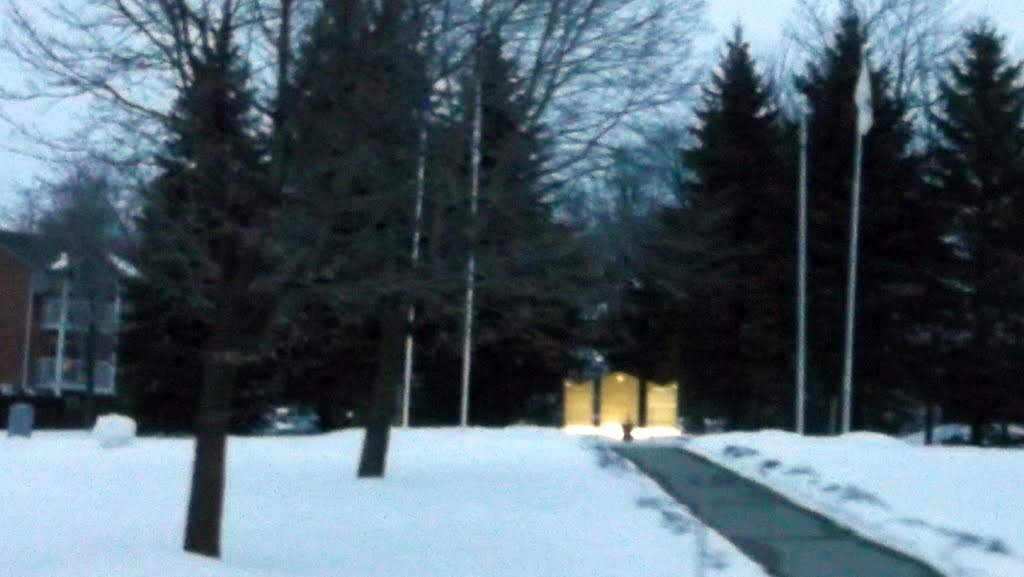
<point x="977" y="430"/>
<point x="385" y="388"/>
<point x="929" y="424"/>
<point x="206" y="501"/>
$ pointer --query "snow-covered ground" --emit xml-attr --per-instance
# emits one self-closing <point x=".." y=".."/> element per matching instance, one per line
<point x="514" y="502"/>
<point x="959" y="508"/>
<point x="956" y="432"/>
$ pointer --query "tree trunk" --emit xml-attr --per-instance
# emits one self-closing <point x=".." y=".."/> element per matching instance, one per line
<point x="977" y="430"/>
<point x="385" y="389"/>
<point x="206" y="501"/>
<point x="929" y="424"/>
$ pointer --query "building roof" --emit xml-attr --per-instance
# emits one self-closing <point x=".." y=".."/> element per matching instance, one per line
<point x="41" y="255"/>
<point x="31" y="249"/>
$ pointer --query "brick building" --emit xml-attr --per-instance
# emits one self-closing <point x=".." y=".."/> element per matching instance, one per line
<point x="44" y="323"/>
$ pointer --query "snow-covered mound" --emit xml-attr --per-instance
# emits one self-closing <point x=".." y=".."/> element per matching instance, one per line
<point x="958" y="433"/>
<point x="114" y="431"/>
<point x="517" y="502"/>
<point x="961" y="509"/>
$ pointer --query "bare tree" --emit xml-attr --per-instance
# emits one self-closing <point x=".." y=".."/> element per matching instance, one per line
<point x="123" y="62"/>
<point x="83" y="223"/>
<point x="911" y="38"/>
<point x="593" y="70"/>
<point x="25" y="213"/>
<point x="130" y="60"/>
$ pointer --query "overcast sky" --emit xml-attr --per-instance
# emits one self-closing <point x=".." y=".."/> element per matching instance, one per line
<point x="763" y="20"/>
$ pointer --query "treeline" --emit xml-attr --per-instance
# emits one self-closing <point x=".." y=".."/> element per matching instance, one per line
<point x="287" y="255"/>
<point x="310" y="142"/>
<point x="938" y="324"/>
<point x="335" y="177"/>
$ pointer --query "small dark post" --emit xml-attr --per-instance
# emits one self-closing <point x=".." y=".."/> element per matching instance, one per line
<point x="627" y="430"/>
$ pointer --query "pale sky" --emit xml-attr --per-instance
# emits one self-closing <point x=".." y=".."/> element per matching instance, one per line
<point x="763" y="20"/>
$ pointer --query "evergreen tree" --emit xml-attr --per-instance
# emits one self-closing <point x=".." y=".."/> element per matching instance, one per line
<point x="202" y="259"/>
<point x="733" y="242"/>
<point x="979" y="177"/>
<point x="896" y="232"/>
<point x="526" y="261"/>
<point x="345" y="232"/>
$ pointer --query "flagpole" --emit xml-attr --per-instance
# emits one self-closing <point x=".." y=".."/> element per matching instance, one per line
<point x="851" y="286"/>
<point x="421" y="174"/>
<point x="862" y="99"/>
<point x="801" y="314"/>
<point x="467" y="342"/>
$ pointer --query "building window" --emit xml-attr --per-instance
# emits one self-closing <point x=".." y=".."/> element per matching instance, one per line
<point x="78" y="315"/>
<point x="106" y="372"/>
<point x="74" y="376"/>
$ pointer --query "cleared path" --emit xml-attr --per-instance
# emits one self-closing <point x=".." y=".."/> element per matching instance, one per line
<point x="787" y="540"/>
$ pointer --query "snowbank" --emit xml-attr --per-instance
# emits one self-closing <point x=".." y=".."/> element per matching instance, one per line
<point x="113" y="431"/>
<point x="955" y="433"/>
<point x="960" y="509"/>
<point x="517" y="502"/>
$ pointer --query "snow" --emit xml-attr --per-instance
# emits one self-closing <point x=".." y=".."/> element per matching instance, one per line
<point x="614" y="431"/>
<point x="955" y="432"/>
<point x="510" y="502"/>
<point x="112" y="431"/>
<point x="124" y="267"/>
<point x="961" y="509"/>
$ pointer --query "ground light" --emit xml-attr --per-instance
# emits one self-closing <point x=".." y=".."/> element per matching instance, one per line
<point x="614" y="431"/>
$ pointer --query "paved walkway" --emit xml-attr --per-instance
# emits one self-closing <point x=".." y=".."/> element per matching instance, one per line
<point x="787" y="540"/>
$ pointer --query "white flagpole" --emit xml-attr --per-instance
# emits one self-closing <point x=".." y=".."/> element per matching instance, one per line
<point x="421" y="178"/>
<point x="801" y="311"/>
<point x="862" y="97"/>
<point x="467" y="343"/>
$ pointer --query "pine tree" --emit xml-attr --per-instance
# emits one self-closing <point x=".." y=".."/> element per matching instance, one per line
<point x="979" y="177"/>
<point x="202" y="258"/>
<point x="895" y="228"/>
<point x="734" y="238"/>
<point x="526" y="261"/>
<point x="345" y="233"/>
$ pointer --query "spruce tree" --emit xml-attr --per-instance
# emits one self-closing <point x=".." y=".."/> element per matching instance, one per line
<point x="895" y="229"/>
<point x="734" y="238"/>
<point x="526" y="261"/>
<point x="345" y="231"/>
<point x="979" y="180"/>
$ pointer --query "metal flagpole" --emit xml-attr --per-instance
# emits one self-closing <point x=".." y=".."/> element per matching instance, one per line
<point x="421" y="177"/>
<point x="851" y="287"/>
<point x="801" y="311"/>
<point x="467" y="343"/>
<point x="862" y="97"/>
